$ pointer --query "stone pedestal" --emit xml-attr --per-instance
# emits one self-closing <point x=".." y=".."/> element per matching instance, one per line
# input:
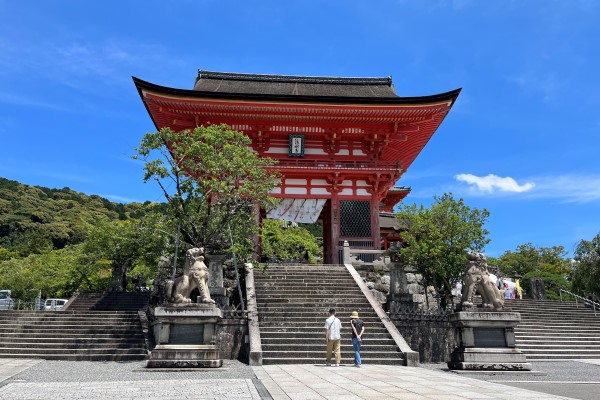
<point x="485" y="341"/>
<point x="185" y="336"/>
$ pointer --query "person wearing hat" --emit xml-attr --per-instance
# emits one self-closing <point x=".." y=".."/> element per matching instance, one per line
<point x="358" y="328"/>
<point x="332" y="337"/>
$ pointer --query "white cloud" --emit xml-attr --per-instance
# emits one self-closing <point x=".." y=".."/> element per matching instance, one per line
<point x="492" y="183"/>
<point x="568" y="188"/>
<point x="564" y="188"/>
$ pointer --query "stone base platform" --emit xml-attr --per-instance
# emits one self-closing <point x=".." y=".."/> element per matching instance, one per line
<point x="185" y="356"/>
<point x="486" y="342"/>
<point x="185" y="336"/>
<point x="489" y="359"/>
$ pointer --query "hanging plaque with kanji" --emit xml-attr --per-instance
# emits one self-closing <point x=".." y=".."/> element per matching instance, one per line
<point x="296" y="146"/>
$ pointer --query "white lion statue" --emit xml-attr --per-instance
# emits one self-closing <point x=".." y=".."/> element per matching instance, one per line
<point x="195" y="275"/>
<point x="477" y="280"/>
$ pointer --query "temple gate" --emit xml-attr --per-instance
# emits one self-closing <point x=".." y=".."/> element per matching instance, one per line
<point x="341" y="143"/>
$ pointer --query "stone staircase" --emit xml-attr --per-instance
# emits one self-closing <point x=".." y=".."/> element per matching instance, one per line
<point x="109" y="301"/>
<point x="554" y="330"/>
<point x="93" y="328"/>
<point x="293" y="303"/>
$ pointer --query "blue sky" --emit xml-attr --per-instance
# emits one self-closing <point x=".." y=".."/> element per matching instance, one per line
<point x="522" y="140"/>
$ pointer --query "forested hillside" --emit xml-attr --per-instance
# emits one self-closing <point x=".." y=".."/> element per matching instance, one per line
<point x="35" y="219"/>
<point x="57" y="241"/>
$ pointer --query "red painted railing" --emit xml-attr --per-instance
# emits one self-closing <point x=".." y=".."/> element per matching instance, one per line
<point x="334" y="164"/>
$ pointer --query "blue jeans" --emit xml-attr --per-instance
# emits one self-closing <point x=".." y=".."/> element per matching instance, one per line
<point x="356" y="344"/>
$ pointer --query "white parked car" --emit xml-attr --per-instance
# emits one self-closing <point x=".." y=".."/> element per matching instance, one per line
<point x="54" y="304"/>
<point x="6" y="302"/>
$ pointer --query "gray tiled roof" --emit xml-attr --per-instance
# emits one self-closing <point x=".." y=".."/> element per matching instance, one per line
<point x="225" y="82"/>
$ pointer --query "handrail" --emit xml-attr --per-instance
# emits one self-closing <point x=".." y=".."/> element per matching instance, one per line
<point x="583" y="300"/>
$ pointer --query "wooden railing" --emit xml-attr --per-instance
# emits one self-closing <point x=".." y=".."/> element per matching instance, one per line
<point x="333" y="164"/>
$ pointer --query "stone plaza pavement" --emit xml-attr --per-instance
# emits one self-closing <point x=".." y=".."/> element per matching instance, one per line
<point x="24" y="379"/>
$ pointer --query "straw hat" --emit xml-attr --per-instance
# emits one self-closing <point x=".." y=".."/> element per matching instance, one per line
<point x="354" y="314"/>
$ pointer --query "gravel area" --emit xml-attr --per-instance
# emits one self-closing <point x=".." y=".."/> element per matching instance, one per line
<point x="85" y="371"/>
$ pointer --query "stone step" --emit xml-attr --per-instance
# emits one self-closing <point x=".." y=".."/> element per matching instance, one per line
<point x="314" y="301"/>
<point x="558" y="316"/>
<point x="72" y="335"/>
<point x="303" y="324"/>
<point x="50" y="319"/>
<point x="346" y="362"/>
<point x="128" y="345"/>
<point x="313" y="277"/>
<point x="302" y="293"/>
<point x="308" y="289"/>
<point x="74" y="339"/>
<point x="565" y="352"/>
<point x="561" y="345"/>
<point x="316" y="315"/>
<point x="559" y="335"/>
<point x="302" y="282"/>
<point x="305" y="272"/>
<point x="320" y="353"/>
<point x="341" y="312"/>
<point x="52" y="331"/>
<point x="287" y="341"/>
<point x="373" y="337"/>
<point x="67" y="351"/>
<point x="559" y="323"/>
<point x="117" y="357"/>
<point x="293" y="304"/>
<point x="308" y="331"/>
<point x="559" y="357"/>
<point x="67" y="312"/>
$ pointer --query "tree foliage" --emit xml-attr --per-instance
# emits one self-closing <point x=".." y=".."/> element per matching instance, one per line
<point x="212" y="182"/>
<point x="281" y="243"/>
<point x="548" y="263"/>
<point x="527" y="258"/>
<point x="586" y="276"/>
<point x="437" y="239"/>
<point x="123" y="248"/>
<point x="35" y="220"/>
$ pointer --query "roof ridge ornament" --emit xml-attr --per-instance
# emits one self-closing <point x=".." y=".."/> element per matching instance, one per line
<point x="235" y="76"/>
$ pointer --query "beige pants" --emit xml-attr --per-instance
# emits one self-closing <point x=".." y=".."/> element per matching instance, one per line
<point x="333" y="345"/>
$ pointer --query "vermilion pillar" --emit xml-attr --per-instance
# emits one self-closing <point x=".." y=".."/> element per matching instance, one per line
<point x="334" y="230"/>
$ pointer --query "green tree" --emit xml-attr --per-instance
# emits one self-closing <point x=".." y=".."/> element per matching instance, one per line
<point x="50" y="273"/>
<point x="122" y="247"/>
<point x="528" y="258"/>
<point x="281" y="243"/>
<point x="586" y="276"/>
<point x="213" y="183"/>
<point x="437" y="239"/>
<point x="552" y="283"/>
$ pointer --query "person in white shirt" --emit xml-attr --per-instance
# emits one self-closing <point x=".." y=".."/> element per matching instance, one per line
<point x="333" y="327"/>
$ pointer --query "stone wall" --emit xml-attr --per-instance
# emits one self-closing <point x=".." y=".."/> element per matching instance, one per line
<point x="231" y="338"/>
<point x="414" y="311"/>
<point x="434" y="340"/>
<point x="377" y="279"/>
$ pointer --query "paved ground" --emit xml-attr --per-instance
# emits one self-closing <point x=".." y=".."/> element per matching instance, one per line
<point x="34" y="379"/>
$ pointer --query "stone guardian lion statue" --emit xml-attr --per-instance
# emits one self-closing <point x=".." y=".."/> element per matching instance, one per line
<point x="195" y="275"/>
<point x="477" y="280"/>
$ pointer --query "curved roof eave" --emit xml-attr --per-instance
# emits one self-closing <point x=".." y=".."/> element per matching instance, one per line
<point x="441" y="97"/>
